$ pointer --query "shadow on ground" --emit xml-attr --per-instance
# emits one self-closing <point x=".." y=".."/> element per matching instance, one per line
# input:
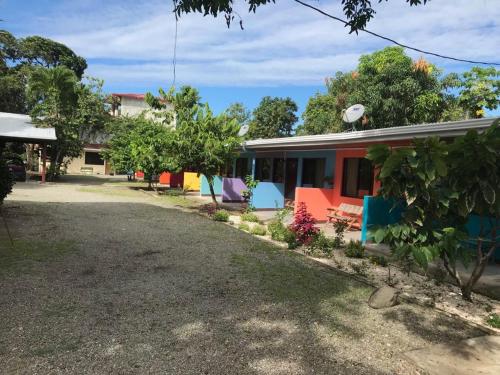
<point x="135" y="288"/>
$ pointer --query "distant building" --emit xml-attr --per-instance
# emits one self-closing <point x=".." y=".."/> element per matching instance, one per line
<point x="91" y="162"/>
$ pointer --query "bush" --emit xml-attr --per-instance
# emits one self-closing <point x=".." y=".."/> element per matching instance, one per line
<point x="354" y="249"/>
<point x="290" y="239"/>
<point x="494" y="320"/>
<point x="259" y="230"/>
<point x="6" y="180"/>
<point x="277" y="230"/>
<point x="321" y="244"/>
<point x="244" y="226"/>
<point x="379" y="260"/>
<point x="221" y="215"/>
<point x="304" y="225"/>
<point x="360" y="268"/>
<point x="340" y="227"/>
<point x="250" y="217"/>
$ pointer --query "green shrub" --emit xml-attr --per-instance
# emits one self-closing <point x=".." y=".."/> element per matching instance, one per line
<point x="6" y="180"/>
<point x="340" y="227"/>
<point x="221" y="215"/>
<point x="259" y="230"/>
<point x="321" y="244"/>
<point x="250" y="217"/>
<point x="494" y="320"/>
<point x="277" y="230"/>
<point x="291" y="239"/>
<point x="379" y="260"/>
<point x="244" y="226"/>
<point x="360" y="268"/>
<point x="354" y="249"/>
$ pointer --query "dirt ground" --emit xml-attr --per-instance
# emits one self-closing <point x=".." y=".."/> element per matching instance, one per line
<point x="99" y="281"/>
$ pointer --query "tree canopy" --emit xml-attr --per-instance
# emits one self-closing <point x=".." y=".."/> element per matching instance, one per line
<point x="442" y="185"/>
<point x="20" y="56"/>
<point x="357" y="12"/>
<point x="398" y="91"/>
<point x="274" y="117"/>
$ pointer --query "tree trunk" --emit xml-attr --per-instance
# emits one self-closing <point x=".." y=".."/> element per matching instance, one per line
<point x="212" y="192"/>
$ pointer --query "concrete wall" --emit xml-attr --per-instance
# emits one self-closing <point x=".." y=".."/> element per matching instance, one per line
<point x="191" y="181"/>
<point x="269" y="195"/>
<point x="316" y="200"/>
<point x="205" y="188"/>
<point x="75" y="166"/>
<point x="232" y="188"/>
<point x="134" y="107"/>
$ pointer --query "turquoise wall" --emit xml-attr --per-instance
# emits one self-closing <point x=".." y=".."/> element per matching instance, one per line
<point x="377" y="211"/>
<point x="269" y="195"/>
<point x="205" y="189"/>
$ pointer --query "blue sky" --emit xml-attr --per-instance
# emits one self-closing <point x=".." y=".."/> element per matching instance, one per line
<point x="285" y="49"/>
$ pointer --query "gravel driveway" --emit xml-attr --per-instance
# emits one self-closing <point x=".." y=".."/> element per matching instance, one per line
<point x="128" y="287"/>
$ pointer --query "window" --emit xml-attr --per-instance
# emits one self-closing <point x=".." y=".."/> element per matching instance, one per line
<point x="241" y="167"/>
<point x="263" y="169"/>
<point x="93" y="158"/>
<point x="279" y="170"/>
<point x="313" y="173"/>
<point x="357" y="179"/>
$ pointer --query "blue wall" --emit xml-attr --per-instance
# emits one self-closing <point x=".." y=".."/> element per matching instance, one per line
<point x="377" y="211"/>
<point x="205" y="189"/>
<point x="269" y="195"/>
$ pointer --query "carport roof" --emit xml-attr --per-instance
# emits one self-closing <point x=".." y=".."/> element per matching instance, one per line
<point x="15" y="127"/>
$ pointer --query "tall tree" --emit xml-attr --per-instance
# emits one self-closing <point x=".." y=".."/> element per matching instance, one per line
<point x="19" y="57"/>
<point x="274" y="117"/>
<point x="72" y="108"/>
<point x="357" y="12"/>
<point x="238" y="112"/>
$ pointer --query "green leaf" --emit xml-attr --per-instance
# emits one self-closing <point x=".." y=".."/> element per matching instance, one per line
<point x="379" y="235"/>
<point x="488" y="193"/>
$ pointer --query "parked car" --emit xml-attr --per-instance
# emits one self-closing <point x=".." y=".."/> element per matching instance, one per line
<point x="17" y="168"/>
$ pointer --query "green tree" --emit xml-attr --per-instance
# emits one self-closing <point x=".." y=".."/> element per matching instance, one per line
<point x="20" y="56"/>
<point x="72" y="108"/>
<point x="182" y="101"/>
<point x="274" y="117"/>
<point x="357" y="12"/>
<point x="442" y="185"/>
<point x="139" y="144"/>
<point x="238" y="112"/>
<point x="205" y="143"/>
<point x="478" y="89"/>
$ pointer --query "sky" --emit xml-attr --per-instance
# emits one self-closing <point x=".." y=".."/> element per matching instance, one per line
<point x="284" y="50"/>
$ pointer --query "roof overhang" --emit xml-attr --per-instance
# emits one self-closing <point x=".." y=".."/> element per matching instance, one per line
<point x="19" y="128"/>
<point x="400" y="133"/>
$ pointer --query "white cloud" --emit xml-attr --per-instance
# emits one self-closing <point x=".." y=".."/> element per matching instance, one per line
<point x="282" y="44"/>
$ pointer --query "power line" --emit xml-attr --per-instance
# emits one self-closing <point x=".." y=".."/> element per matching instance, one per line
<point x="174" y="59"/>
<point x="394" y="41"/>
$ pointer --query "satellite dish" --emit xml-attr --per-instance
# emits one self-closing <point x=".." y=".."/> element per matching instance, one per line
<point x="353" y="113"/>
<point x="243" y="130"/>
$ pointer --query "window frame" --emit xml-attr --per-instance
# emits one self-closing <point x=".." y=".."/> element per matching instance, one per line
<point x="343" y="186"/>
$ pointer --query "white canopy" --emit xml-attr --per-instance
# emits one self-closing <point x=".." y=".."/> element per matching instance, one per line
<point x="14" y="127"/>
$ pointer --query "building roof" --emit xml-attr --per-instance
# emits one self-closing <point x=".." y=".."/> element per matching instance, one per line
<point x="14" y="127"/>
<point x="443" y="129"/>
<point x="130" y="96"/>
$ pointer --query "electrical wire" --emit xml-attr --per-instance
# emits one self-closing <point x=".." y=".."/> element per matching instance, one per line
<point x="174" y="59"/>
<point x="394" y="41"/>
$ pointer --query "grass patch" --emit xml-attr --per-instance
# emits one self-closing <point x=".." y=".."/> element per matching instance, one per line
<point x="65" y="345"/>
<point x="24" y="253"/>
<point x="494" y="320"/>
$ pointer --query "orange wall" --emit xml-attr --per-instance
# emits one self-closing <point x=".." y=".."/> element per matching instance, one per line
<point x="316" y="200"/>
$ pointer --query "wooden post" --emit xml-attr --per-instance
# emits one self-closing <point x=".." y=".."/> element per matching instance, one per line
<point x="44" y="163"/>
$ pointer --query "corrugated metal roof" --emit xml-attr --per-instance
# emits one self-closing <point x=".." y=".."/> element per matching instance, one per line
<point x="19" y="127"/>
<point x="443" y="129"/>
